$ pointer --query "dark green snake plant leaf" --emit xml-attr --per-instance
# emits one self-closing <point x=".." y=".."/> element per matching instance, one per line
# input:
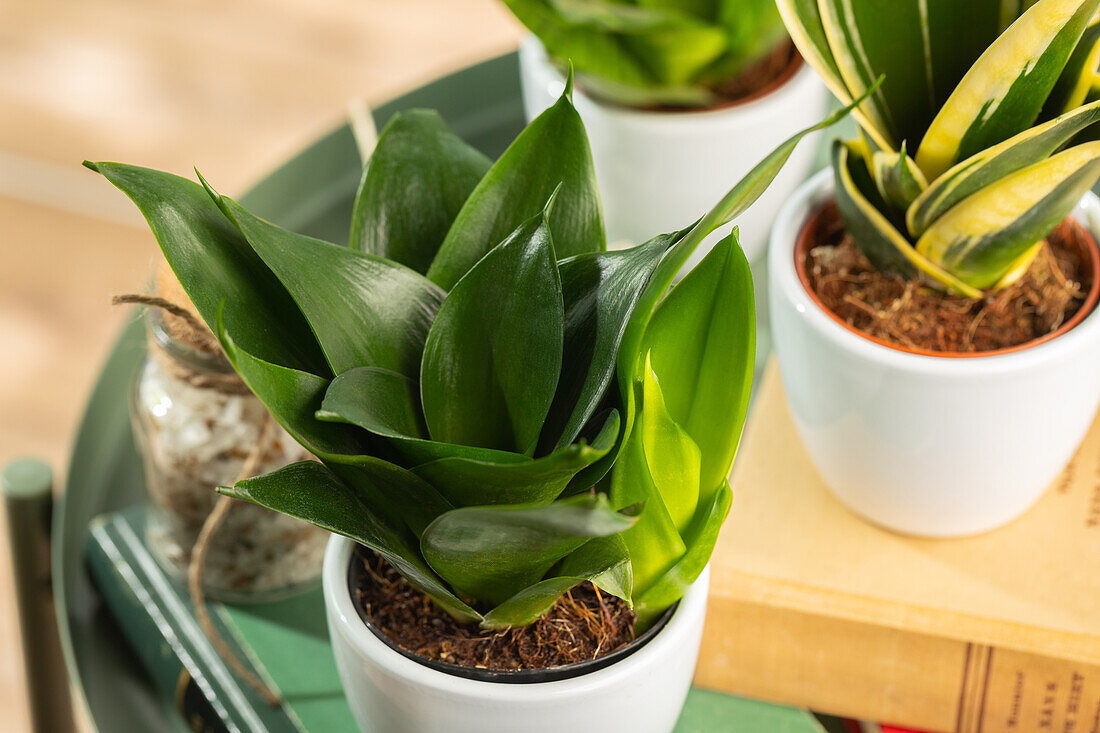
<point x="386" y="404"/>
<point x="550" y="155"/>
<point x="599" y="291"/>
<point x="363" y="309"/>
<point x="312" y="493"/>
<point x="214" y="263"/>
<point x="494" y="351"/>
<point x="380" y="401"/>
<point x="604" y="561"/>
<point x="467" y="436"/>
<point x="492" y="553"/>
<point x="1004" y="91"/>
<point x="293" y="397"/>
<point x="983" y="236"/>
<point x="414" y="184"/>
<point x="991" y="165"/>
<point x="467" y="481"/>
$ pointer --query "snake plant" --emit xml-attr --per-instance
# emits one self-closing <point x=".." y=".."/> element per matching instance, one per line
<point x="499" y="407"/>
<point x="648" y="52"/>
<point x="978" y="141"/>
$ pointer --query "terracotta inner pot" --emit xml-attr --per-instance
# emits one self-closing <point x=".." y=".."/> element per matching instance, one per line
<point x="808" y="239"/>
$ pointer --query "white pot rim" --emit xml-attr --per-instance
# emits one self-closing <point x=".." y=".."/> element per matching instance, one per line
<point x="754" y="111"/>
<point x="793" y="216"/>
<point x="338" y="555"/>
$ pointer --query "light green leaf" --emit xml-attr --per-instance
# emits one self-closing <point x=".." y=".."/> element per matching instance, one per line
<point x="990" y="165"/>
<point x="550" y="155"/>
<point x="363" y="309"/>
<point x="610" y="16"/>
<point x="603" y="561"/>
<point x="654" y="543"/>
<point x="753" y="30"/>
<point x="492" y="553"/>
<point x="982" y="237"/>
<point x="214" y="264"/>
<point x="591" y="51"/>
<point x="1003" y="92"/>
<point x="734" y="203"/>
<point x="702" y="342"/>
<point x="676" y="56"/>
<point x="672" y="456"/>
<point x="493" y="354"/>
<point x="670" y="587"/>
<point x="312" y="493"/>
<point x="413" y="187"/>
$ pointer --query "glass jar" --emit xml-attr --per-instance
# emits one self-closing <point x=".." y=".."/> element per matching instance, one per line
<point x="196" y="425"/>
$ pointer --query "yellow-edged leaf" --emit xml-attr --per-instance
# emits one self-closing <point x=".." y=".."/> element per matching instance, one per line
<point x="1074" y="84"/>
<point x="982" y="238"/>
<point x="992" y="164"/>
<point x="876" y="236"/>
<point x="1006" y="87"/>
<point x="803" y="21"/>
<point x="897" y="177"/>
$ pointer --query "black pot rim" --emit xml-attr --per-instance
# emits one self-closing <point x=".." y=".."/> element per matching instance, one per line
<point x="520" y="676"/>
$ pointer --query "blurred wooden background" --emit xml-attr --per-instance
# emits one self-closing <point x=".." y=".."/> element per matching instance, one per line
<point x="232" y="87"/>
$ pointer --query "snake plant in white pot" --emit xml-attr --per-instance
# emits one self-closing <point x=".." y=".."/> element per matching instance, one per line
<point x="678" y="98"/>
<point x="932" y="304"/>
<point x="507" y="420"/>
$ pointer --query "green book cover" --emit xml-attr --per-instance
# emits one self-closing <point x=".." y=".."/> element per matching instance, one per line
<point x="286" y="642"/>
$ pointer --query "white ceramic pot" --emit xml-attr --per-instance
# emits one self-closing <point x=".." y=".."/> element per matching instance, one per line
<point x="921" y="444"/>
<point x="658" y="171"/>
<point x="390" y="693"/>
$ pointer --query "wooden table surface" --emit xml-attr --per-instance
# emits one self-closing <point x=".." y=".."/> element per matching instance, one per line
<point x="232" y="87"/>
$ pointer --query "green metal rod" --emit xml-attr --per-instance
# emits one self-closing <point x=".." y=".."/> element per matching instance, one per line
<point x="27" y="487"/>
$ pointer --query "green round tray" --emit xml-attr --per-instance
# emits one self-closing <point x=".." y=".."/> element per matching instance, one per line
<point x="312" y="194"/>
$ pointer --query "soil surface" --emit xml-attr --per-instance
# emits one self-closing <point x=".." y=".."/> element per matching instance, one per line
<point x="583" y="625"/>
<point x="914" y="315"/>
